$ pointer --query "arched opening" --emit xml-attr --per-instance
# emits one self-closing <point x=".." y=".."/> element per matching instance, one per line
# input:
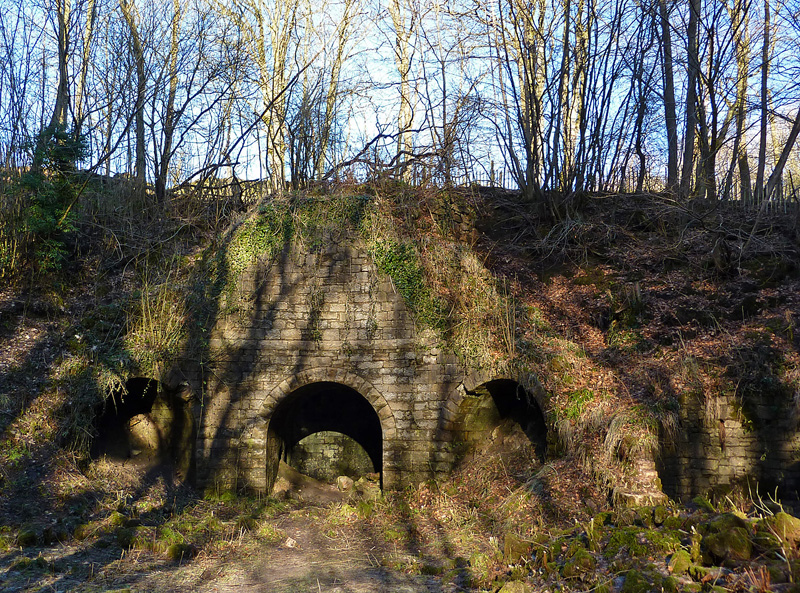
<point x="327" y="454"/>
<point x="503" y="406"/>
<point x="322" y="407"/>
<point x="147" y="423"/>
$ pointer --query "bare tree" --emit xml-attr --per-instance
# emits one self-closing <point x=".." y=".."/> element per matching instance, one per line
<point x="693" y="73"/>
<point x="670" y="111"/>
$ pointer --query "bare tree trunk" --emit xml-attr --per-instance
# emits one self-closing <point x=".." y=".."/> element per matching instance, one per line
<point x="169" y="115"/>
<point x="129" y="14"/>
<point x="762" y="146"/>
<point x="88" y="33"/>
<point x="58" y="119"/>
<point x="691" y="98"/>
<point x="669" y="99"/>
<point x="739" y="153"/>
<point x="403" y="55"/>
<point x="562" y="92"/>
<point x="777" y="173"/>
<point x="342" y="37"/>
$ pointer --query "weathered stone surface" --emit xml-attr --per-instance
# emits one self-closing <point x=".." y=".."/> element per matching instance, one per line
<point x="311" y="319"/>
<point x="515" y="587"/>
<point x="726" y="540"/>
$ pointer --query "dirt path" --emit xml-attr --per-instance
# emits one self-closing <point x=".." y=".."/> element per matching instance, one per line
<point x="315" y="562"/>
<point x="309" y="558"/>
<point x="306" y="560"/>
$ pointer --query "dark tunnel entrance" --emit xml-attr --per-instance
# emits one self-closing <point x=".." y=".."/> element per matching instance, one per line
<point x="322" y="407"/>
<point x="147" y="423"/>
<point x="503" y="403"/>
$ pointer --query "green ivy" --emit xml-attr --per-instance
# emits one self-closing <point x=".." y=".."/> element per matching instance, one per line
<point x="401" y="263"/>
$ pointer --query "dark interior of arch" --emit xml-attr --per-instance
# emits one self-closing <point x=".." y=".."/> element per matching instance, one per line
<point x="326" y="406"/>
<point x="147" y="421"/>
<point x="112" y="418"/>
<point x="513" y="401"/>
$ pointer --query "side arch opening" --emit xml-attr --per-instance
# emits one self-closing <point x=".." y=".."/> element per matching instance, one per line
<point x="147" y="423"/>
<point x="503" y="408"/>
<point x="318" y="412"/>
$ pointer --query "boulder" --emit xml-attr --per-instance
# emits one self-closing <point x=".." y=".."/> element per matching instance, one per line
<point x="344" y="484"/>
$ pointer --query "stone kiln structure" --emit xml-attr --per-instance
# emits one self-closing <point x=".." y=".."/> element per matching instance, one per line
<point x="319" y="342"/>
<point x="322" y="341"/>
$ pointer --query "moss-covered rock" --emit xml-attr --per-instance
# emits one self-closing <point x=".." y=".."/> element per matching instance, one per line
<point x="181" y="552"/>
<point x="117" y="519"/>
<point x="27" y="535"/>
<point x="125" y="536"/>
<point x="728" y="548"/>
<point x="515" y="587"/>
<point x="628" y="539"/>
<point x="722" y="523"/>
<point x="603" y="518"/>
<point x="705" y="573"/>
<point x="603" y="587"/>
<point x="670" y="584"/>
<point x="644" y="517"/>
<point x="781" y="525"/>
<point x="636" y="582"/>
<point x="726" y="540"/>
<point x="680" y="562"/>
<point x="624" y="517"/>
<point x="23" y="563"/>
<point x="660" y="514"/>
<point x="704" y="503"/>
<point x="695" y="551"/>
<point x="55" y="533"/>
<point x="515" y="549"/>
<point x="673" y="522"/>
<point x="777" y="573"/>
<point x="581" y="563"/>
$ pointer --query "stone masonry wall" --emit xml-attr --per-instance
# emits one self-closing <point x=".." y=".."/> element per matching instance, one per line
<point x="719" y="447"/>
<point x="311" y="317"/>
<point x="326" y="455"/>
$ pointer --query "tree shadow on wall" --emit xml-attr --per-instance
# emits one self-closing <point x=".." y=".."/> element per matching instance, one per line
<point x="248" y="301"/>
<point x="753" y="428"/>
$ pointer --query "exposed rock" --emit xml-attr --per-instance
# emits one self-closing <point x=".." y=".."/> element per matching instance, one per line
<point x="144" y="434"/>
<point x="680" y="562"/>
<point x="367" y="489"/>
<point x="515" y="587"/>
<point x="636" y="499"/>
<point x="344" y="484"/>
<point x="292" y="484"/>
<point x="515" y="549"/>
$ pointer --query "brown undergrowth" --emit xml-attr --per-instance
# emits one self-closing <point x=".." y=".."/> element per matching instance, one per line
<point x="614" y="314"/>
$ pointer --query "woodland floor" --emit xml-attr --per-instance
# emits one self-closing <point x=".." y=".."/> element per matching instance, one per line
<point x="633" y="286"/>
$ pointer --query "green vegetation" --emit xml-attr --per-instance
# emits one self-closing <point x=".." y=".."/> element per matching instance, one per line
<point x="36" y="211"/>
<point x="400" y="262"/>
<point x="578" y="401"/>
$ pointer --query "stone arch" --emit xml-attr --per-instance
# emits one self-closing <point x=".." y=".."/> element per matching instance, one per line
<point x="311" y="401"/>
<point x="530" y="383"/>
<point x="362" y="386"/>
<point x="147" y="421"/>
<point x="501" y="397"/>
